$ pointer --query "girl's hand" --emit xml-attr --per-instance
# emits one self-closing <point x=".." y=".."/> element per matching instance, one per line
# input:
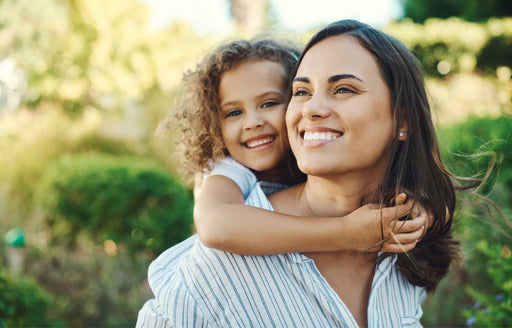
<point x="386" y="230"/>
<point x="404" y="235"/>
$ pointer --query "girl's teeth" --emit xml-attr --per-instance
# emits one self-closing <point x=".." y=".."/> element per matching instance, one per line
<point x="259" y="142"/>
<point x="320" y="136"/>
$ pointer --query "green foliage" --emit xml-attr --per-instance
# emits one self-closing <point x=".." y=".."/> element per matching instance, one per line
<point x="475" y="223"/>
<point x="467" y="46"/>
<point x="489" y="138"/>
<point x="493" y="309"/>
<point x="25" y="153"/>
<point x="91" y="288"/>
<point x="130" y="201"/>
<point x="496" y="52"/>
<point x="107" y="217"/>
<point x="80" y="53"/>
<point x="23" y="303"/>
<point x="472" y="10"/>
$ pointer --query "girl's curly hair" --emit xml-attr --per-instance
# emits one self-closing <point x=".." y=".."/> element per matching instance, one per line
<point x="197" y="116"/>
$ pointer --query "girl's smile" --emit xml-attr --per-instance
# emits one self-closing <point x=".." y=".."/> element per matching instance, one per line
<point x="252" y="114"/>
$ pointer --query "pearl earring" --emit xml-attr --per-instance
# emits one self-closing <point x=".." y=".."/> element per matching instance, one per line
<point x="400" y="134"/>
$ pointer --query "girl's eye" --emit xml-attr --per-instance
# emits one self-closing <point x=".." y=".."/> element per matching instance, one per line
<point x="270" y="103"/>
<point x="344" y="90"/>
<point x="299" y="93"/>
<point x="234" y="112"/>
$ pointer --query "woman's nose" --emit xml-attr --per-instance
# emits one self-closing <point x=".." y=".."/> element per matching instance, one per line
<point x="253" y="121"/>
<point x="316" y="107"/>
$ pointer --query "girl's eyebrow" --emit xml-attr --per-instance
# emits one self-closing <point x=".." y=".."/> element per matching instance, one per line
<point x="331" y="79"/>
<point x="222" y="105"/>
<point x="270" y="93"/>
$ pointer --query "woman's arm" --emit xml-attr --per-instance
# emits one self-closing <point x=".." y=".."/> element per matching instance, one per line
<point x="224" y="222"/>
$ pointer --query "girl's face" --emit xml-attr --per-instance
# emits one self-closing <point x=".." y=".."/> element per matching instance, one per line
<point x="339" y="118"/>
<point x="252" y="111"/>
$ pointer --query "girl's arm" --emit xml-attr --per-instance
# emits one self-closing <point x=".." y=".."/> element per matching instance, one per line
<point x="224" y="222"/>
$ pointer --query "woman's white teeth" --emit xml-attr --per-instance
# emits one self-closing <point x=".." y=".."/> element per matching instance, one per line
<point x="320" y="136"/>
<point x="259" y="142"/>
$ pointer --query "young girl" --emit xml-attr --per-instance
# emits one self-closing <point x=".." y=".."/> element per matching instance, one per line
<point x="233" y="114"/>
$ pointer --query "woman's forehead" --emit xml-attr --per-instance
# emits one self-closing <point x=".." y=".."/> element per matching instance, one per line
<point x="341" y="54"/>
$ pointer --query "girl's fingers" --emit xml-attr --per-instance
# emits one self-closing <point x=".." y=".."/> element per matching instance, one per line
<point x="400" y="199"/>
<point x="410" y="225"/>
<point x="398" y="248"/>
<point x="408" y="237"/>
<point x="395" y="212"/>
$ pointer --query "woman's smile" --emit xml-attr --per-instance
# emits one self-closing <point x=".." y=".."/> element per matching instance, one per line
<point x="318" y="136"/>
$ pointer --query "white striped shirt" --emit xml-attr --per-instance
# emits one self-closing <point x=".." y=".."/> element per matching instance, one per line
<point x="196" y="286"/>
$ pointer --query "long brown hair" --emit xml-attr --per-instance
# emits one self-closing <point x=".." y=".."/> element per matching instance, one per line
<point x="416" y="165"/>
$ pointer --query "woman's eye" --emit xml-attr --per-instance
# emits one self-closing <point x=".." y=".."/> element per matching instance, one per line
<point x="299" y="93"/>
<point x="344" y="90"/>
<point x="269" y="104"/>
<point x="234" y="112"/>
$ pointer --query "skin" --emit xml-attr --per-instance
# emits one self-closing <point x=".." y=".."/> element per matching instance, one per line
<point x="252" y="110"/>
<point x="339" y="94"/>
<point x="252" y="120"/>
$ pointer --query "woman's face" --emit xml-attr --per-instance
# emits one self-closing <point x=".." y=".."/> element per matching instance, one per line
<point x="339" y="119"/>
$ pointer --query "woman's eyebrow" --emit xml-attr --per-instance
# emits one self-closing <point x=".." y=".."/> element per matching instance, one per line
<point x="331" y="79"/>
<point x="338" y="77"/>
<point x="301" y="79"/>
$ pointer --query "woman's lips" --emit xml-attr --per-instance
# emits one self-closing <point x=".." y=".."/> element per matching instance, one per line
<point x="318" y="137"/>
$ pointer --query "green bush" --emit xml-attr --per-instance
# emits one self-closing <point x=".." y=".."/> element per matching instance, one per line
<point x="493" y="307"/>
<point x="467" y="46"/>
<point x="25" y="153"/>
<point x="474" y="224"/>
<point x="23" y="303"/>
<point x="91" y="288"/>
<point x="491" y="138"/>
<point x="130" y="201"/>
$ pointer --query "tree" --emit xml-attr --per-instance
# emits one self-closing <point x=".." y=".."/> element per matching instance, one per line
<point x="471" y="10"/>
<point x="249" y="15"/>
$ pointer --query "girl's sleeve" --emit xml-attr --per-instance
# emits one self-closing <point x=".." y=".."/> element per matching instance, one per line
<point x="241" y="175"/>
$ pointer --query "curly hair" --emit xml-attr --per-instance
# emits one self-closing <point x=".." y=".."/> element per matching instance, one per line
<point x="201" y="140"/>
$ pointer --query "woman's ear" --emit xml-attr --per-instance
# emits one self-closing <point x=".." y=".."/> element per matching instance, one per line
<point x="403" y="129"/>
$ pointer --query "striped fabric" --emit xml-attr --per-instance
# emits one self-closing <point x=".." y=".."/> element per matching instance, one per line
<point x="196" y="286"/>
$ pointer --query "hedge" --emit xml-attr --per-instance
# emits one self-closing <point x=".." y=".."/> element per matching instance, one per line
<point x="128" y="200"/>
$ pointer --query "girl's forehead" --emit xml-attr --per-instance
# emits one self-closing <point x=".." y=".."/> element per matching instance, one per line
<point x="251" y="79"/>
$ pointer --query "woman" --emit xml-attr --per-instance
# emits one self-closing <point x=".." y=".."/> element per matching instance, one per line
<point x="360" y="127"/>
<point x="359" y="108"/>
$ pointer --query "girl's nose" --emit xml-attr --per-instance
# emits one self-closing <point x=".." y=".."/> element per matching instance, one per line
<point x="253" y="121"/>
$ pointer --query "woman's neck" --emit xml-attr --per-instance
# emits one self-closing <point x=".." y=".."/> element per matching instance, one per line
<point x="333" y="197"/>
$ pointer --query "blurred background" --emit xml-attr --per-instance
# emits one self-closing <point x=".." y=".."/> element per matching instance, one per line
<point x="90" y="194"/>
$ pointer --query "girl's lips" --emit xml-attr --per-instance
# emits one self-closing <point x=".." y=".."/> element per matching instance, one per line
<point x="259" y="141"/>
